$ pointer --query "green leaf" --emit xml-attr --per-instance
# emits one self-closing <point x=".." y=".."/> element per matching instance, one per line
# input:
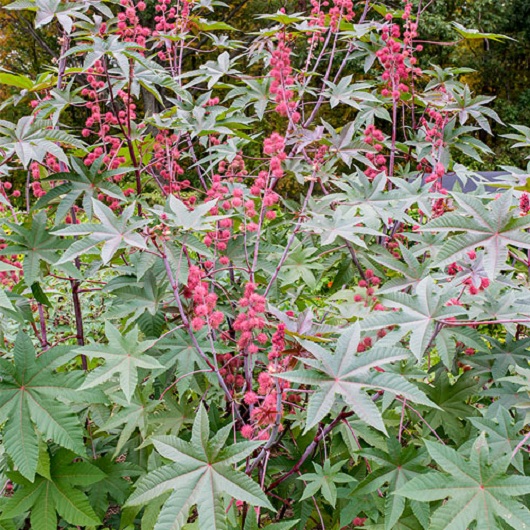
<point x="493" y="228"/>
<point x="201" y="474"/>
<point x="35" y="243"/>
<point x="32" y="398"/>
<point x="114" y="232"/>
<point x="476" y="34"/>
<point x="478" y="489"/>
<point x="395" y="468"/>
<point x="84" y="182"/>
<point x="57" y="495"/>
<point x="324" y="480"/>
<point x="124" y="355"/>
<point x="348" y="374"/>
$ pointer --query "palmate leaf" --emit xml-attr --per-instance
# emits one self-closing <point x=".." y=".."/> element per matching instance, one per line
<point x="202" y="474"/>
<point x="31" y="139"/>
<point x="419" y="314"/>
<point x="410" y="268"/>
<point x="340" y="224"/>
<point x="479" y="489"/>
<point x="178" y="215"/>
<point x="84" y="182"/>
<point x="300" y="264"/>
<point x="493" y="227"/>
<point x="131" y="417"/>
<point x="502" y="355"/>
<point x="502" y="435"/>
<point x="124" y="355"/>
<point x="114" y="232"/>
<point x="324" y="479"/>
<point x="396" y="467"/>
<point x="32" y="401"/>
<point x="347" y="374"/>
<point x="452" y="401"/>
<point x="135" y="299"/>
<point x="55" y="493"/>
<point x="35" y="243"/>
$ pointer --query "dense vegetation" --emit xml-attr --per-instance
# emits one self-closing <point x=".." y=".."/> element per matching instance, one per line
<point x="235" y="292"/>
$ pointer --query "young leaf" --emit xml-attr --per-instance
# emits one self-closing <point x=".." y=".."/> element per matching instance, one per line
<point x="324" y="480"/>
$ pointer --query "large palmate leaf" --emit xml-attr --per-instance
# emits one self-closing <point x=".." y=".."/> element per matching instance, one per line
<point x="84" y="182"/>
<point x="372" y="201"/>
<point x="31" y="140"/>
<point x="349" y="374"/>
<point x="493" y="228"/>
<point x="54" y="492"/>
<point x="410" y="268"/>
<point x="478" y="489"/>
<point x="395" y="468"/>
<point x="32" y="404"/>
<point x="124" y="355"/>
<point x="202" y="474"/>
<point x="35" y="243"/>
<point x="420" y="314"/>
<point x="340" y="224"/>
<point x="502" y="435"/>
<point x="452" y="401"/>
<point x="502" y="355"/>
<point x="114" y="232"/>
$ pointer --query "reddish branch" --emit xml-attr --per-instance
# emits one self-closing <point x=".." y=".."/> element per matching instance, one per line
<point x="310" y="449"/>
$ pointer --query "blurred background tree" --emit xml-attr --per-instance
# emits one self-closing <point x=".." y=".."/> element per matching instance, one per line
<point x="501" y="69"/>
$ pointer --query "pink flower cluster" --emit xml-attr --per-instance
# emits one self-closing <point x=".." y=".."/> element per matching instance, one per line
<point x="436" y="176"/>
<point x="396" y="56"/>
<point x="165" y="161"/>
<point x="264" y="408"/>
<point x="171" y="18"/>
<point x="373" y="136"/>
<point x="318" y="18"/>
<point x="274" y="146"/>
<point x="204" y="301"/>
<point x="434" y="130"/>
<point x="129" y="27"/>
<point x="282" y="81"/>
<point x="100" y="123"/>
<point x="342" y="10"/>
<point x="51" y="164"/>
<point x="369" y="285"/>
<point x="278" y="342"/>
<point x="250" y="322"/>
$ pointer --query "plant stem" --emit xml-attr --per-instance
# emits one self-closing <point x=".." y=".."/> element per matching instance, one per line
<point x="310" y="449"/>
